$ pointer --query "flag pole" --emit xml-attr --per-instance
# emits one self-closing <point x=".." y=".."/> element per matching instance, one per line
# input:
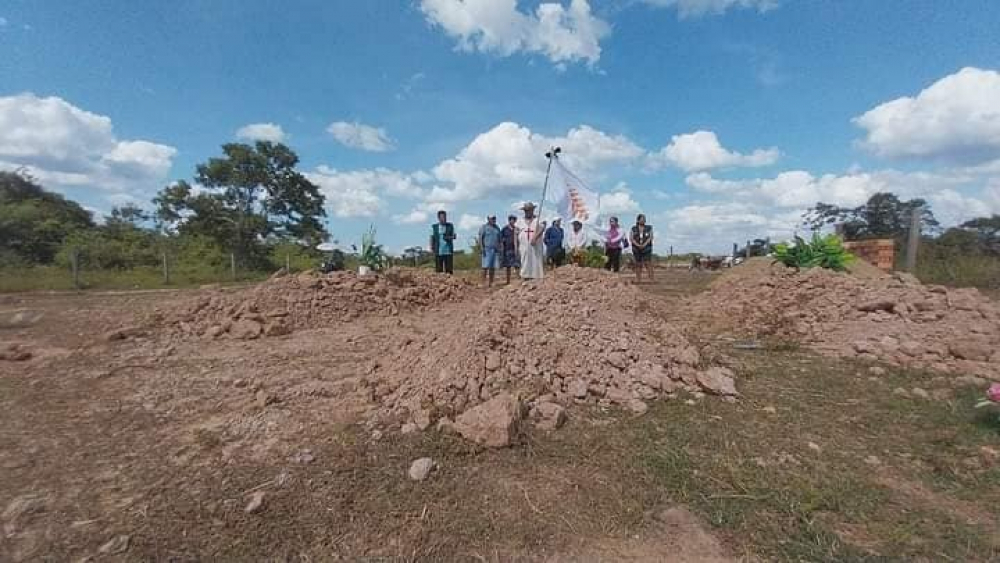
<point x="551" y="155"/>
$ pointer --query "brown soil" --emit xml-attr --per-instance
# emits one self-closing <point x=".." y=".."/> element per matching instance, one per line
<point x="892" y="319"/>
<point x="148" y="443"/>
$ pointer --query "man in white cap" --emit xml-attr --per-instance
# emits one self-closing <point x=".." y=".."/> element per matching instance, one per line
<point x="530" y="243"/>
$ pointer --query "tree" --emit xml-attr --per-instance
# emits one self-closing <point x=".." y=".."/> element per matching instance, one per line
<point x="250" y="194"/>
<point x="884" y="215"/>
<point x="987" y="233"/>
<point x="33" y="221"/>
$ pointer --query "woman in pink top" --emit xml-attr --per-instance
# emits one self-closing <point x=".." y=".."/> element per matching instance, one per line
<point x="613" y="246"/>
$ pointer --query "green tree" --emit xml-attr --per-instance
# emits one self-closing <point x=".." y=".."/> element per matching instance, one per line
<point x="987" y="233"/>
<point x="884" y="215"/>
<point x="33" y="221"/>
<point x="250" y="194"/>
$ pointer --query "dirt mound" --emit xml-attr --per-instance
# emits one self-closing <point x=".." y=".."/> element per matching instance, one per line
<point x="890" y="318"/>
<point x="310" y="300"/>
<point x="581" y="335"/>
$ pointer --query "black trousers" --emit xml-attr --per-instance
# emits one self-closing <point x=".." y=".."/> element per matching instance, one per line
<point x="444" y="264"/>
<point x="557" y="256"/>
<point x="614" y="259"/>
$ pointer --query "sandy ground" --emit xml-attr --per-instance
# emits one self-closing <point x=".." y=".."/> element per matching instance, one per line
<point x="152" y="449"/>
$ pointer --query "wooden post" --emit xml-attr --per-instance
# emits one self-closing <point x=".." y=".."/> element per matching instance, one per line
<point x="166" y="270"/>
<point x="747" y="250"/>
<point x="232" y="265"/>
<point x="767" y="246"/>
<point x="74" y="264"/>
<point x="671" y="251"/>
<point x="913" y="240"/>
<point x="288" y="263"/>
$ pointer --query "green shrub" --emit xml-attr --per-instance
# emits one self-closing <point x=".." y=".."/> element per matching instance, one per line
<point x="821" y="252"/>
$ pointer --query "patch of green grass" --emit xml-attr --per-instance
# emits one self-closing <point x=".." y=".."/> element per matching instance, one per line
<point x="755" y="477"/>
<point x="53" y="278"/>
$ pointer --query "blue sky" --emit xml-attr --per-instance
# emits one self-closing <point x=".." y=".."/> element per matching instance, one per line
<point x="721" y="119"/>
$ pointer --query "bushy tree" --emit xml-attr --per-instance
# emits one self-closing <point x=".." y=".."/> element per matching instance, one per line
<point x="33" y="221"/>
<point x="249" y="195"/>
<point x="884" y="215"/>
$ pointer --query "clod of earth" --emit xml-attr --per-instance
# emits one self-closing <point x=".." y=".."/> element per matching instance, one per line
<point x="14" y="353"/>
<point x="256" y="503"/>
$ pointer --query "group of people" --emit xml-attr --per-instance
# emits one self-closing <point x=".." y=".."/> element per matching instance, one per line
<point x="529" y="244"/>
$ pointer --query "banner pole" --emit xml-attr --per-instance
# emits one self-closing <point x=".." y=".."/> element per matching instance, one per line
<point x="551" y="155"/>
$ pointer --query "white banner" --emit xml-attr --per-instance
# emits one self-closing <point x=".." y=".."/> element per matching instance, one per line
<point x="573" y="200"/>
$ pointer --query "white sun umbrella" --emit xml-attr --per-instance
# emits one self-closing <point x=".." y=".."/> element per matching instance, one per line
<point x="327" y="246"/>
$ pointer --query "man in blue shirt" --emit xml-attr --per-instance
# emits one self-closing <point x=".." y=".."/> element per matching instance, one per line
<point x="489" y="245"/>
<point x="554" y="250"/>
<point x="442" y="243"/>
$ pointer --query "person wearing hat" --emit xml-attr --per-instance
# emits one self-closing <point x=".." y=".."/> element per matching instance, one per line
<point x="554" y="251"/>
<point x="509" y="256"/>
<point x="489" y="247"/>
<point x="529" y="241"/>
<point x="577" y="241"/>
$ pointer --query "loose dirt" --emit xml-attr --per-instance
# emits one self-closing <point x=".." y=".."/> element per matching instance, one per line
<point x="579" y="336"/>
<point x="888" y="318"/>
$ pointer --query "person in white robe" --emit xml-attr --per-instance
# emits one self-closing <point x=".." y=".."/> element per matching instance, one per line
<point x="530" y="232"/>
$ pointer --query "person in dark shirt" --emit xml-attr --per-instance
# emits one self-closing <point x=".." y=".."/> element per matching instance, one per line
<point x="554" y="250"/>
<point x="641" y="239"/>
<point x="509" y="253"/>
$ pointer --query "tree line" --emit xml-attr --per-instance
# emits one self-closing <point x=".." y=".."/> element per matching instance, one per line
<point x="965" y="254"/>
<point x="250" y="205"/>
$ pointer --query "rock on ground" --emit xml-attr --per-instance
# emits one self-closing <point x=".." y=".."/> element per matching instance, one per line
<point x="493" y="424"/>
<point x="256" y="503"/>
<point x="550" y="415"/>
<point x="421" y="468"/>
<point x="717" y="380"/>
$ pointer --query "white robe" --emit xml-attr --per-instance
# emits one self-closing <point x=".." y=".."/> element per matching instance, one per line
<point x="532" y="255"/>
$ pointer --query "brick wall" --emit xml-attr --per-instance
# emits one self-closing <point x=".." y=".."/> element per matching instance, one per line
<point x="880" y="253"/>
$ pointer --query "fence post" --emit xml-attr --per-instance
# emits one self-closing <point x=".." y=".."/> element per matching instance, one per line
<point x="74" y="264"/>
<point x="671" y="251"/>
<point x="288" y="263"/>
<point x="232" y="264"/>
<point x="913" y="240"/>
<point x="166" y="269"/>
<point x="747" y="250"/>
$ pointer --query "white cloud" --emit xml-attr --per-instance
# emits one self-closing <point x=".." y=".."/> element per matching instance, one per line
<point x="954" y="196"/>
<point x="697" y="8"/>
<point x="469" y="222"/>
<point x="360" y="136"/>
<point x="3" y="21"/>
<point x="957" y="118"/>
<point x="617" y="203"/>
<point x="509" y="158"/>
<point x="261" y="132"/>
<point x="67" y="147"/>
<point x="702" y="150"/>
<point x="414" y="217"/>
<point x="359" y="193"/>
<point x="563" y="34"/>
<point x="715" y="226"/>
